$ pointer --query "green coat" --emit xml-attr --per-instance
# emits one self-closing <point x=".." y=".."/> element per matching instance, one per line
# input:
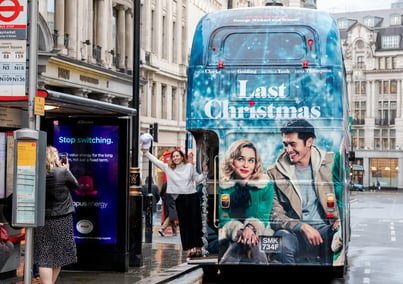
<point x="259" y="205"/>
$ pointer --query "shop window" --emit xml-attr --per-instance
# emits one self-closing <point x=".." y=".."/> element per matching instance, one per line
<point x="385" y="171"/>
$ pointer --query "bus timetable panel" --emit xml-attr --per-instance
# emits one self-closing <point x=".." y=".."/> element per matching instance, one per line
<point x="253" y="72"/>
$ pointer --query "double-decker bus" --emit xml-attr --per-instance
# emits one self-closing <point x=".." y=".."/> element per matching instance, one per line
<point x="268" y="108"/>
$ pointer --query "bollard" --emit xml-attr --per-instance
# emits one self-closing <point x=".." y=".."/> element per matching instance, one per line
<point x="135" y="218"/>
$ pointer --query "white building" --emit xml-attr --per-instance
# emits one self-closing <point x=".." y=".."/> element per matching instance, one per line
<point x="373" y="53"/>
<point x="86" y="50"/>
<point x="169" y="26"/>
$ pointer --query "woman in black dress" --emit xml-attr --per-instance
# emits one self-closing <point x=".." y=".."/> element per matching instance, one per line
<point x="54" y="244"/>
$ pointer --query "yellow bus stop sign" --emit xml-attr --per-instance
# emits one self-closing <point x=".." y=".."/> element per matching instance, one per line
<point x="39" y="106"/>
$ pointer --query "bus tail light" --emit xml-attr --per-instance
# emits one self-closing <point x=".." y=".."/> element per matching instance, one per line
<point x="225" y="201"/>
<point x="330" y="200"/>
<point x="305" y="64"/>
<point x="220" y="64"/>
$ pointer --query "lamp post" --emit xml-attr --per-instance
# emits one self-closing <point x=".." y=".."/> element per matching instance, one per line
<point x="135" y="197"/>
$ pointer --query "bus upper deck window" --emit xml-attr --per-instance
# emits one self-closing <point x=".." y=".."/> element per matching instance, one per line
<point x="264" y="46"/>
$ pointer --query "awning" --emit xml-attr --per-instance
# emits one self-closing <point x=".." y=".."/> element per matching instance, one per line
<point x="67" y="104"/>
<point x="74" y="104"/>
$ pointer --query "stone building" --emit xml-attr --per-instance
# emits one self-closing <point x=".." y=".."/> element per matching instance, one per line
<point x="373" y="53"/>
<point x="86" y="50"/>
<point x="166" y="34"/>
<point x="169" y="26"/>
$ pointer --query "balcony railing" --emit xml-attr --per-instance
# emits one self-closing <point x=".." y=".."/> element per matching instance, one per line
<point x="384" y="122"/>
<point x="358" y="121"/>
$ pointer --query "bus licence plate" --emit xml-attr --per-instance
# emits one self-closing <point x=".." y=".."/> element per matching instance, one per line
<point x="270" y="244"/>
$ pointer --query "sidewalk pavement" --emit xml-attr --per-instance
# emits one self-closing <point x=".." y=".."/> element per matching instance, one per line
<point x="163" y="261"/>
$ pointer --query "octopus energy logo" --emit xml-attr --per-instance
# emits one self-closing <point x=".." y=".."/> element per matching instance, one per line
<point x="259" y="104"/>
<point x="84" y="226"/>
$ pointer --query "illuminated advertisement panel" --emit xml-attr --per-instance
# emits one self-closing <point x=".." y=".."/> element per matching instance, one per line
<point x="92" y="149"/>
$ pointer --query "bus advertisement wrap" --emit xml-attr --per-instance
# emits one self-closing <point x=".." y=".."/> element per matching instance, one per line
<point x="267" y="105"/>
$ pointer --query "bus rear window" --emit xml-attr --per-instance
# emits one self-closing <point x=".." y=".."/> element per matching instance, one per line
<point x="263" y="46"/>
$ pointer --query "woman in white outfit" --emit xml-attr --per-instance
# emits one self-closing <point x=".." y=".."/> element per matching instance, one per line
<point x="181" y="180"/>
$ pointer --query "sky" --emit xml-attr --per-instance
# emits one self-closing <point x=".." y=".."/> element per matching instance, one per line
<point x="335" y="6"/>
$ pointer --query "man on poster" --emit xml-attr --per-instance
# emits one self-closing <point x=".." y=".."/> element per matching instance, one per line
<point x="304" y="178"/>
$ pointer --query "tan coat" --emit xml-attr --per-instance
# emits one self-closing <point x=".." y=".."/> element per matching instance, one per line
<point x="287" y="204"/>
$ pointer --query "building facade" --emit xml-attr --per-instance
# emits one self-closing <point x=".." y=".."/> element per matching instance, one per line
<point x="86" y="50"/>
<point x="167" y="34"/>
<point x="373" y="53"/>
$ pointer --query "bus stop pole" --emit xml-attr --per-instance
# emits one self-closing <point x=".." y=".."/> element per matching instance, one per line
<point x="32" y="73"/>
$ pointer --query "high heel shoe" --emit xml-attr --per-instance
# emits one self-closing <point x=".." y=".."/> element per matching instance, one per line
<point x="161" y="231"/>
<point x="195" y="254"/>
<point x="198" y="253"/>
<point x="191" y="253"/>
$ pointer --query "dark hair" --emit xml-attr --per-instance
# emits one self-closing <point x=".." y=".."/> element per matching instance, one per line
<point x="304" y="129"/>
<point x="149" y="180"/>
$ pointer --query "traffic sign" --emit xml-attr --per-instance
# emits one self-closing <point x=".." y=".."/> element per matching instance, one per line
<point x="10" y="13"/>
<point x="13" y="19"/>
<point x="39" y="105"/>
